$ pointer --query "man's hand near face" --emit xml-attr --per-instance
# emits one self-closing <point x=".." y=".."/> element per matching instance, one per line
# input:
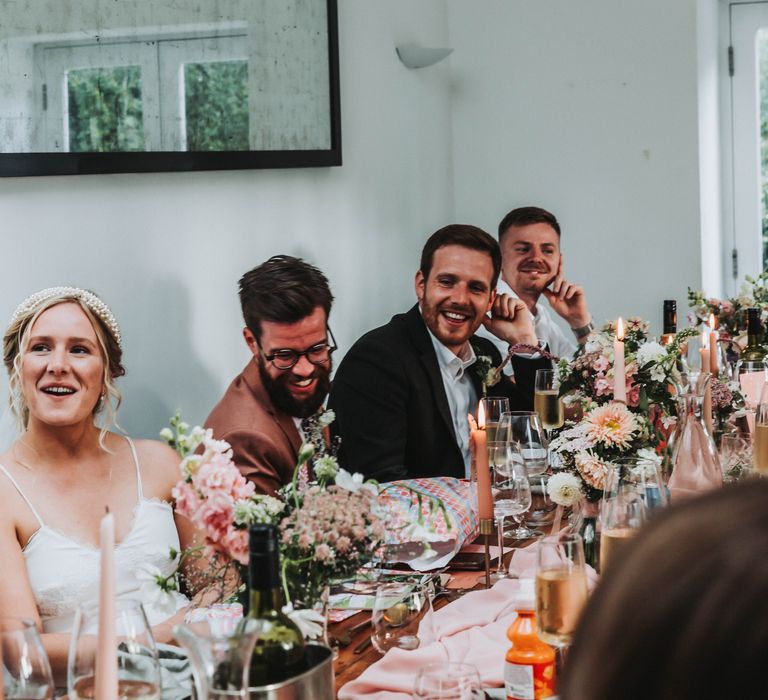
<point x="568" y="300"/>
<point x="510" y="321"/>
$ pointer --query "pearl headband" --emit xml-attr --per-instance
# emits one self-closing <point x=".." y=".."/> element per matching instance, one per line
<point x="93" y="302"/>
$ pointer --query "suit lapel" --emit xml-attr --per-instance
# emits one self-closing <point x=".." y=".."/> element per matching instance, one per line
<point x="282" y="420"/>
<point x="426" y="351"/>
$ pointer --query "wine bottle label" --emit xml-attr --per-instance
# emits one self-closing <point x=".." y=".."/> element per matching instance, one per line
<point x="529" y="681"/>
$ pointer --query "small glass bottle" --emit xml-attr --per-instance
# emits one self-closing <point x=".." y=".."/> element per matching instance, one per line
<point x="755" y="350"/>
<point x="529" y="670"/>
<point x="670" y="321"/>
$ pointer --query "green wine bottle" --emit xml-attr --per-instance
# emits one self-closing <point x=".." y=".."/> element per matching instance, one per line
<point x="755" y="350"/>
<point x="279" y="651"/>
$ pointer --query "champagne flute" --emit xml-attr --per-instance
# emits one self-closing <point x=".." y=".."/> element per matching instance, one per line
<point x="507" y="499"/>
<point x="524" y="428"/>
<point x="561" y="587"/>
<point x="138" y="667"/>
<point x="623" y="511"/>
<point x="546" y="399"/>
<point x="494" y="407"/>
<point x="26" y="672"/>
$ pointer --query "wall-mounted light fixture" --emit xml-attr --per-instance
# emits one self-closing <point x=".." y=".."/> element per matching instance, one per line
<point x="419" y="57"/>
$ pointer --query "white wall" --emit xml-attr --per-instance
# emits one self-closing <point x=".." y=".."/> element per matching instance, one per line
<point x="587" y="108"/>
<point x="166" y="250"/>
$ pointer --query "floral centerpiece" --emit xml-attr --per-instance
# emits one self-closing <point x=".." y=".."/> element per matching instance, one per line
<point x="329" y="527"/>
<point x="330" y="522"/>
<point x="603" y="430"/>
<point x="730" y="314"/>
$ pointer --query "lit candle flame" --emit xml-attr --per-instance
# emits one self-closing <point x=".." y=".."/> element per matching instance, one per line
<point x="481" y="416"/>
<point x="620" y="329"/>
<point x="712" y="322"/>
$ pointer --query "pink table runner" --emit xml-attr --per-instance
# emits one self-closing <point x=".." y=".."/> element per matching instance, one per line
<point x="471" y="630"/>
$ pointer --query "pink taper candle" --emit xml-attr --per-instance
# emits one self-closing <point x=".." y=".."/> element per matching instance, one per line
<point x="619" y="375"/>
<point x="480" y="451"/>
<point x="106" y="650"/>
<point x="713" y="354"/>
<point x="706" y="407"/>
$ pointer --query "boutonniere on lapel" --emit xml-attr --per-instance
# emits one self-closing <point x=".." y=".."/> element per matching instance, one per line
<point x="487" y="373"/>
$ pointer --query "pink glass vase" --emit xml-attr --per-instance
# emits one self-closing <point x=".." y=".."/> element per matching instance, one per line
<point x="695" y="465"/>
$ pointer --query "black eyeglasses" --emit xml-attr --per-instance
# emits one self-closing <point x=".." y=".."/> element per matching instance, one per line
<point x="318" y="354"/>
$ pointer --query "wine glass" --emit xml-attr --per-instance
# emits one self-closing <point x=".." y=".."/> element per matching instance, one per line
<point x="752" y="374"/>
<point x="546" y="399"/>
<point x="561" y="587"/>
<point x="26" y="672"/>
<point x="398" y="610"/>
<point x="524" y="428"/>
<point x="494" y="407"/>
<point x="138" y="668"/>
<point x="620" y="516"/>
<point x="760" y="440"/>
<point x="515" y="490"/>
<point x="636" y="475"/>
<point x="507" y="500"/>
<point x="736" y="456"/>
<point x="448" y="681"/>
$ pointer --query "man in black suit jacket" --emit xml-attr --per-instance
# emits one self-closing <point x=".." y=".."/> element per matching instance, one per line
<point x="402" y="392"/>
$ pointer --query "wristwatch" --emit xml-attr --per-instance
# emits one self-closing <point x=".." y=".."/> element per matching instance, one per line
<point x="583" y="331"/>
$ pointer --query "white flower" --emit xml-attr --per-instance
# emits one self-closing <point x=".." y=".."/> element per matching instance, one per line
<point x="652" y="352"/>
<point x="190" y="465"/>
<point x="166" y="434"/>
<point x="326" y="417"/>
<point x="310" y="622"/>
<point x="306" y="452"/>
<point x="198" y="436"/>
<point x="353" y="482"/>
<point x="157" y="589"/>
<point x="326" y="467"/>
<point x="260" y="509"/>
<point x="564" y="489"/>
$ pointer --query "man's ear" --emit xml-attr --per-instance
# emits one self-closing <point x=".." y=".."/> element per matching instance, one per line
<point x="491" y="300"/>
<point x="419" y="284"/>
<point x="250" y="341"/>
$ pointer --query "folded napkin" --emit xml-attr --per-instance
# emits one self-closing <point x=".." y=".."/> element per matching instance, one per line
<point x="472" y="630"/>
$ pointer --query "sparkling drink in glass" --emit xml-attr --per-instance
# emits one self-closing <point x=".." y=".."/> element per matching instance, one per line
<point x="546" y="399"/>
<point x="561" y="587"/>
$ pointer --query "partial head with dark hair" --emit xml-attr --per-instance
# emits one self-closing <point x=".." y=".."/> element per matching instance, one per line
<point x="465" y="236"/>
<point x="682" y="613"/>
<point x="286" y="303"/>
<point x="283" y="289"/>
<point x="525" y="216"/>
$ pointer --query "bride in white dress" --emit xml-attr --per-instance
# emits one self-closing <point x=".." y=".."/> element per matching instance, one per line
<point x="63" y="352"/>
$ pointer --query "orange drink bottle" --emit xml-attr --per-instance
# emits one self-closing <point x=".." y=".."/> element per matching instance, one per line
<point x="529" y="671"/>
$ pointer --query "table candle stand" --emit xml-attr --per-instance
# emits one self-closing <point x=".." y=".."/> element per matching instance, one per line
<point x="486" y="530"/>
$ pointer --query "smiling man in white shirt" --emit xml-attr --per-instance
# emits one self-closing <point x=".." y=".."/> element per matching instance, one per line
<point x="532" y="267"/>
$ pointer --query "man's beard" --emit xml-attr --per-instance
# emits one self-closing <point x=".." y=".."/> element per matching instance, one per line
<point x="284" y="401"/>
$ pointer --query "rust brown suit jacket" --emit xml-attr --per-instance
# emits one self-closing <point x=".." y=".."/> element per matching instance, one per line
<point x="265" y="441"/>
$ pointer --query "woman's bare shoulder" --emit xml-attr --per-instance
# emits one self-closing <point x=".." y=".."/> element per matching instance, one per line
<point x="159" y="466"/>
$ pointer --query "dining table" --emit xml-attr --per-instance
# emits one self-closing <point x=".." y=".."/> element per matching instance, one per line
<point x="356" y="653"/>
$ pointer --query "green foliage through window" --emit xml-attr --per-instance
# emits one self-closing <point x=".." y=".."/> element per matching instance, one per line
<point x="105" y="112"/>
<point x="216" y="102"/>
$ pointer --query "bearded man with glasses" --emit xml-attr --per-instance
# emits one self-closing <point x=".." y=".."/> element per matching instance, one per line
<point x="286" y="303"/>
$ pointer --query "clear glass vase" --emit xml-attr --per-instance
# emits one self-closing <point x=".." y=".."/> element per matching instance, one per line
<point x="694" y="461"/>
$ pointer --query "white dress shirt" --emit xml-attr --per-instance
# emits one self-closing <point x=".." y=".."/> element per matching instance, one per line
<point x="460" y="391"/>
<point x="547" y="331"/>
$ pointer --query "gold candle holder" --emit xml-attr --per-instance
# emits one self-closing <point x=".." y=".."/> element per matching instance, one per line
<point x="486" y="530"/>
